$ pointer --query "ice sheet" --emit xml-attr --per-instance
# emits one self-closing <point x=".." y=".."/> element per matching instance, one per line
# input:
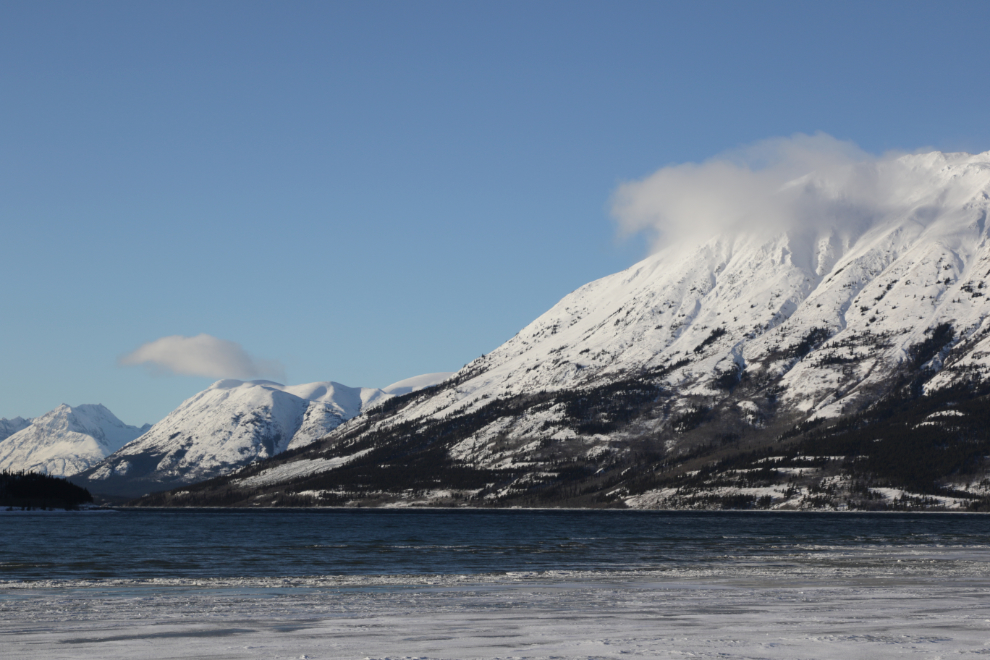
<point x="755" y="612"/>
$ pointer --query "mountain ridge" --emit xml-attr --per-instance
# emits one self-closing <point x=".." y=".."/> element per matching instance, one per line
<point x="8" y="427"/>
<point x="725" y="345"/>
<point x="228" y="425"/>
<point x="66" y="440"/>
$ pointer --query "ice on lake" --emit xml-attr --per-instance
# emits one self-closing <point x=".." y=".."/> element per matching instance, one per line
<point x="786" y="614"/>
<point x="506" y="584"/>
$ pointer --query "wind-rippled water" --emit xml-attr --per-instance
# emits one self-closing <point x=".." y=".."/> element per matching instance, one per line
<point x="195" y="544"/>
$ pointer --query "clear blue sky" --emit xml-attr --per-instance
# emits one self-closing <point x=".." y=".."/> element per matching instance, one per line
<point x="365" y="191"/>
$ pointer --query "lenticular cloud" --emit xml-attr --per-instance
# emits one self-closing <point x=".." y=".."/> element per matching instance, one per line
<point x="799" y="183"/>
<point x="202" y="355"/>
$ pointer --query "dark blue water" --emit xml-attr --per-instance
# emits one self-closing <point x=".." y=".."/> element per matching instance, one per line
<point x="226" y="543"/>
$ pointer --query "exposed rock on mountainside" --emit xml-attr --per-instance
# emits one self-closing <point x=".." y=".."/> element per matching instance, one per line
<point x="229" y="425"/>
<point x="747" y="354"/>
<point x="64" y="441"/>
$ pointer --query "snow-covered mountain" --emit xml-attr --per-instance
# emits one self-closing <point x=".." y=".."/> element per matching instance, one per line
<point x="9" y="427"/>
<point x="231" y="424"/>
<point x="747" y="305"/>
<point x="735" y="339"/>
<point x="64" y="441"/>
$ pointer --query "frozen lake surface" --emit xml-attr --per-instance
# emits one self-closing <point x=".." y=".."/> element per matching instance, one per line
<point x="509" y="584"/>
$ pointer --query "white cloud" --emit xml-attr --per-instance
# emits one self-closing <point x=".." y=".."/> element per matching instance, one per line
<point x="799" y="183"/>
<point x="202" y="355"/>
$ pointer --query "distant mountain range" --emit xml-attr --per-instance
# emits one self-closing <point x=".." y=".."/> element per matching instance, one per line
<point x="8" y="427"/>
<point x="711" y="375"/>
<point x="843" y="363"/>
<point x="227" y="426"/>
<point x="65" y="441"/>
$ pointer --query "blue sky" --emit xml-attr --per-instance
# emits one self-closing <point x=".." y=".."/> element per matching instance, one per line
<point x="367" y="191"/>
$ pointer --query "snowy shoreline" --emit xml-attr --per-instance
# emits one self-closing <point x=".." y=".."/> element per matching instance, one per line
<point x="952" y="512"/>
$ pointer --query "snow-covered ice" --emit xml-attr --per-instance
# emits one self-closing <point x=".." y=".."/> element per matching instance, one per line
<point x="914" y="609"/>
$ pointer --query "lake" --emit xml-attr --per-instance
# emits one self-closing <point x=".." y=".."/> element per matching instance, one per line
<point x="492" y="584"/>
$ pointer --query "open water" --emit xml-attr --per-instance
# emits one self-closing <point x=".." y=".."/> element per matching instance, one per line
<point x="141" y="544"/>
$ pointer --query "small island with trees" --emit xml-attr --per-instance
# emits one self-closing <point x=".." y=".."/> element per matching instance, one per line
<point x="30" y="490"/>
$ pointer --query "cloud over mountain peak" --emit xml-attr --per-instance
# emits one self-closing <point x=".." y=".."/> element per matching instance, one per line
<point x="202" y="355"/>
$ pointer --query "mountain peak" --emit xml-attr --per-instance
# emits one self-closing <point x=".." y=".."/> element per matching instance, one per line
<point x="65" y="440"/>
<point x="231" y="424"/>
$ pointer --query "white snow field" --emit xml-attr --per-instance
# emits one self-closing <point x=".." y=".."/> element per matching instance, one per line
<point x="914" y="610"/>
